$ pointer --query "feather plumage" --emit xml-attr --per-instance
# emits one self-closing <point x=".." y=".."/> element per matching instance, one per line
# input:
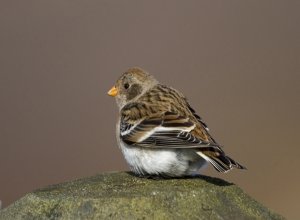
<point x="159" y="118"/>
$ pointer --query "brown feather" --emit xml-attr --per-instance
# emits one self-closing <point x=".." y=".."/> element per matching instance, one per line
<point x="160" y="103"/>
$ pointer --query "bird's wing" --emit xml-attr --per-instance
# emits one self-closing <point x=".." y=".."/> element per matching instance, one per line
<point x="199" y="119"/>
<point x="168" y="130"/>
<point x="171" y="130"/>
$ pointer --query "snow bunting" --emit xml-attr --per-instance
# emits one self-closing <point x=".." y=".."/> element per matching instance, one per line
<point x="158" y="131"/>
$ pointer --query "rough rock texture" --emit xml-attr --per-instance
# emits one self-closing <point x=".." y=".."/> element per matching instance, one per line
<point x="124" y="196"/>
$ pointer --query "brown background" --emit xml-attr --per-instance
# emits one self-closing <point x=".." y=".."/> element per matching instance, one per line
<point x="237" y="61"/>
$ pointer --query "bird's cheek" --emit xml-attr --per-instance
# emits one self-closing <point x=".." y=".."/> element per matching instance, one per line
<point x="121" y="99"/>
<point x="133" y="91"/>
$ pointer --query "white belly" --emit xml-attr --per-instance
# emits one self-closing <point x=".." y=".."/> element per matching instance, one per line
<point x="169" y="162"/>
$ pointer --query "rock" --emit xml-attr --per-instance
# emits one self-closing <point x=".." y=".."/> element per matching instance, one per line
<point x="121" y="195"/>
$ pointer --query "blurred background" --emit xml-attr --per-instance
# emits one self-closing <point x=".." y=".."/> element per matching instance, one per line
<point x="238" y="63"/>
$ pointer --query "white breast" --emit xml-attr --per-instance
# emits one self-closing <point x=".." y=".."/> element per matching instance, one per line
<point x="153" y="161"/>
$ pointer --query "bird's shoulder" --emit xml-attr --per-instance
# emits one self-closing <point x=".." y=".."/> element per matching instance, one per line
<point x="160" y="100"/>
<point x="154" y="102"/>
<point x="179" y="104"/>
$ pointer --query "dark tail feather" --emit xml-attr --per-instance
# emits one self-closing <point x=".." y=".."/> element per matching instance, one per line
<point x="220" y="161"/>
<point x="236" y="164"/>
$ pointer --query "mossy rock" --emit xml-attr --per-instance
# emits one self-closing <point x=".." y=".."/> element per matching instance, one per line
<point x="121" y="195"/>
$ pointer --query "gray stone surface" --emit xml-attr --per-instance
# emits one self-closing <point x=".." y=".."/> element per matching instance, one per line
<point x="121" y="195"/>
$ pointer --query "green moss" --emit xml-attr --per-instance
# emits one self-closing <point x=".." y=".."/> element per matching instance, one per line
<point x="123" y="196"/>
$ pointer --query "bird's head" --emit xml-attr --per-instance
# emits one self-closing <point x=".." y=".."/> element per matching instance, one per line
<point x="131" y="85"/>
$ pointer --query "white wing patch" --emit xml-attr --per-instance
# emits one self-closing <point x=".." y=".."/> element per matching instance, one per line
<point x="161" y="128"/>
<point x="128" y="131"/>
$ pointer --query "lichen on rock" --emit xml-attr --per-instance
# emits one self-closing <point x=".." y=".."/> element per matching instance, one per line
<point x="121" y="195"/>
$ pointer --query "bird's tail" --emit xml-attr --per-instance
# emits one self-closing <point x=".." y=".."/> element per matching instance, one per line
<point x="219" y="160"/>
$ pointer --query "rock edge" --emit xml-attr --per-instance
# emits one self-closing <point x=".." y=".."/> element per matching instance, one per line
<point x="121" y="195"/>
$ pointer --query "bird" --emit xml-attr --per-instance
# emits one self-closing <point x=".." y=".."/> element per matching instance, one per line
<point x="158" y="131"/>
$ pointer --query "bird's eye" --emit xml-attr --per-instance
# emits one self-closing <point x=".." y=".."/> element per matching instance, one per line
<point x="126" y="85"/>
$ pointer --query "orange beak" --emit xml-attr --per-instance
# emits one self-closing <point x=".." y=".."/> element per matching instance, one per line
<point x="113" y="91"/>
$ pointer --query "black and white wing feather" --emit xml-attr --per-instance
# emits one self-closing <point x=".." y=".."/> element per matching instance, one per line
<point x="171" y="130"/>
<point x="167" y="131"/>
